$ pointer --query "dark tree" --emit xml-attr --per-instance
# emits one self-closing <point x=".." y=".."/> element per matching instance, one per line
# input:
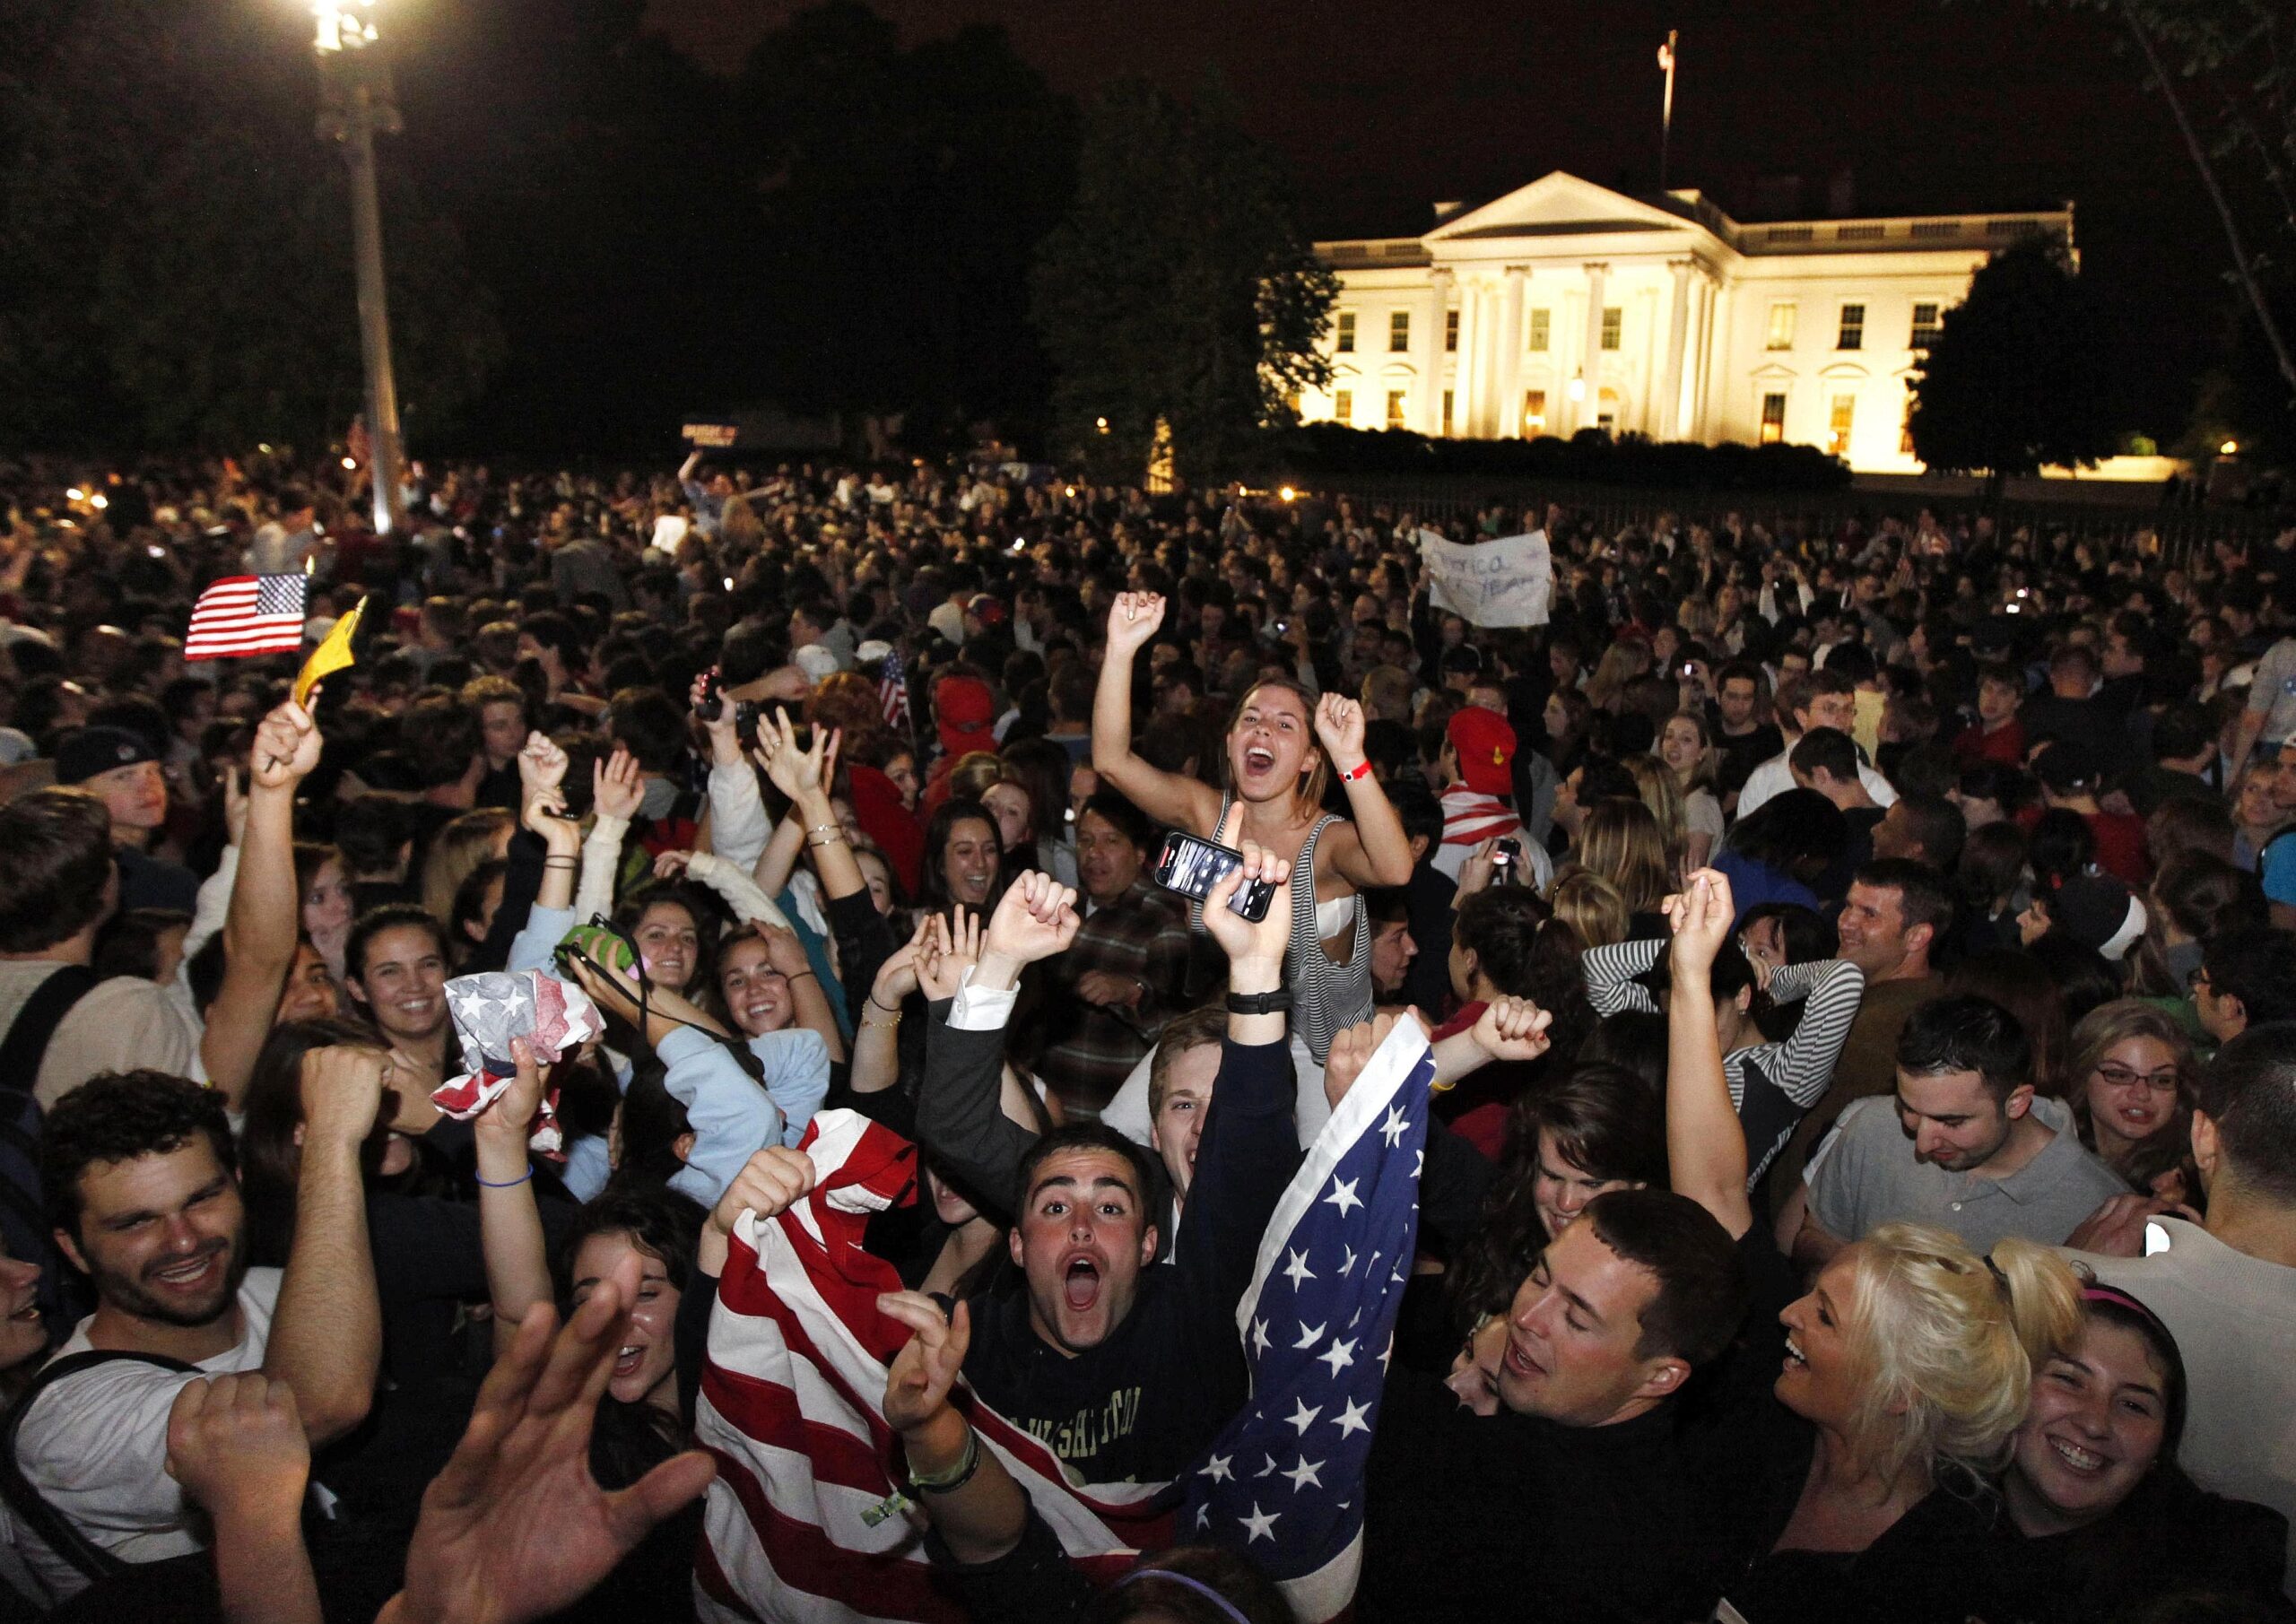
<point x="2016" y="377"/>
<point x="175" y="241"/>
<point x="1180" y="289"/>
<point x="899" y="195"/>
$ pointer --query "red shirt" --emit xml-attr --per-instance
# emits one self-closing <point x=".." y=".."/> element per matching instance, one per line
<point x="2120" y="843"/>
<point x="2005" y="745"/>
<point x="1479" y="1109"/>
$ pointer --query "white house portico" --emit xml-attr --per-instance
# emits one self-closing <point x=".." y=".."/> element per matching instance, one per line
<point x="1565" y="306"/>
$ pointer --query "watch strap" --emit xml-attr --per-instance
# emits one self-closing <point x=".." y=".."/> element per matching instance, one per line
<point x="1277" y="1003"/>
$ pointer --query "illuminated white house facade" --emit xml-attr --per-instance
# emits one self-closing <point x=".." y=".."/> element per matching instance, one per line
<point x="1566" y="306"/>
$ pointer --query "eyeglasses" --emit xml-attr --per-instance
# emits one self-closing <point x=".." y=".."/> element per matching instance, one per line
<point x="2121" y="1077"/>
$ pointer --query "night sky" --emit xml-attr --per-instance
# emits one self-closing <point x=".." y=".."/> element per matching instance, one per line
<point x="1384" y="107"/>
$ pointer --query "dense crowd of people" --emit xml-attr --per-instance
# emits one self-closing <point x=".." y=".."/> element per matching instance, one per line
<point x="1860" y="969"/>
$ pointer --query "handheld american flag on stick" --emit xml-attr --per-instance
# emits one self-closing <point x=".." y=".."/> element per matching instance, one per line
<point x="246" y="614"/>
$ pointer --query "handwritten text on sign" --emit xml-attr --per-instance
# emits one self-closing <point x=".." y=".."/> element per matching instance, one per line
<point x="1503" y="583"/>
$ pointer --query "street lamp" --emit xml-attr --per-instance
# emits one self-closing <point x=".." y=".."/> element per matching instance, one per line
<point x="356" y="91"/>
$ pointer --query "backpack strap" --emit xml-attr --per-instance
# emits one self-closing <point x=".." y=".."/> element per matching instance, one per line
<point x="27" y="1041"/>
<point x="26" y="1502"/>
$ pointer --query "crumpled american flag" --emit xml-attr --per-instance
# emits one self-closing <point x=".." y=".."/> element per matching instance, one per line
<point x="804" y="1524"/>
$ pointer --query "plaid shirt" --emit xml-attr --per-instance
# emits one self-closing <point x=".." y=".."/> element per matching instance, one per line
<point x="1091" y="1048"/>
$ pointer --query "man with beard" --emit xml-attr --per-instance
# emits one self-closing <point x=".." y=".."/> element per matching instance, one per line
<point x="141" y="1179"/>
<point x="1986" y="1157"/>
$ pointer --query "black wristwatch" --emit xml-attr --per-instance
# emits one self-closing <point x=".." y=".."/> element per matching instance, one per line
<point x="1277" y="1003"/>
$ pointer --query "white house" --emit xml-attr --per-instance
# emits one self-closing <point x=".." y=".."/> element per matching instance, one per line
<point x="1565" y="306"/>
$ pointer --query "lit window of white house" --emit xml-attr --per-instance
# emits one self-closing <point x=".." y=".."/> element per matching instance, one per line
<point x="1342" y="406"/>
<point x="1837" y="423"/>
<point x="1781" y="325"/>
<point x="1398" y="331"/>
<point x="1347" y="332"/>
<point x="1928" y="324"/>
<point x="1773" y="418"/>
<point x="1395" y="408"/>
<point x="1446" y="411"/>
<point x="1853" y="328"/>
<point x="1541" y="326"/>
<point x="1534" y="413"/>
<point x="1613" y="322"/>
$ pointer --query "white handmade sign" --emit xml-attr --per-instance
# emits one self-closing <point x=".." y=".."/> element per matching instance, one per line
<point x="1506" y="582"/>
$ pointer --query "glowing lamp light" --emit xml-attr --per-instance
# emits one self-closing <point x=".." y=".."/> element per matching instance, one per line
<point x="1578" y="388"/>
<point x="2230" y="447"/>
<point x="1288" y="494"/>
<point x="729" y="583"/>
<point x="1101" y="423"/>
<point x="339" y="29"/>
<point x="99" y="500"/>
<point x="265" y="449"/>
<point x="350" y="462"/>
<point x="75" y="494"/>
<point x="1072" y="490"/>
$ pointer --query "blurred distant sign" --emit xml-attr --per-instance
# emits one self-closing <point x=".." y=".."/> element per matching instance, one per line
<point x="711" y="436"/>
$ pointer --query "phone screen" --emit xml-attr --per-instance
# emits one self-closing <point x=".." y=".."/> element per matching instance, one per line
<point x="1197" y="866"/>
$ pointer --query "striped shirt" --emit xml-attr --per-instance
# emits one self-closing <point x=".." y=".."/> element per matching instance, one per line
<point x="1771" y="1084"/>
<point x="1091" y="1048"/>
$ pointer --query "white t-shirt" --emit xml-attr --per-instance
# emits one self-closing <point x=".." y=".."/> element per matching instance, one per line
<point x="116" y="1026"/>
<point x="96" y="1447"/>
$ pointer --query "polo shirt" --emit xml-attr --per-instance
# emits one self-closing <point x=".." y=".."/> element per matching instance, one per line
<point x="1866" y="1174"/>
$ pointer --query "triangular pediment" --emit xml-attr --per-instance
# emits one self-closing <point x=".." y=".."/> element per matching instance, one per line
<point x="1555" y="204"/>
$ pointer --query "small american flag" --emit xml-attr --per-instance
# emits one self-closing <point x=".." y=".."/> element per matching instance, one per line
<point x="245" y="615"/>
<point x="892" y="690"/>
<point x="1284" y="1481"/>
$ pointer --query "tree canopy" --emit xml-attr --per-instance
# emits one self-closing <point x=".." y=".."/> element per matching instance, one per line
<point x="1179" y="288"/>
<point x="2014" y="382"/>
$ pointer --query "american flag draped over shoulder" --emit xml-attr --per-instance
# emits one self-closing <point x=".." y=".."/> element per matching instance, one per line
<point x="893" y="689"/>
<point x="1284" y="1482"/>
<point x="248" y="614"/>
<point x="803" y="1525"/>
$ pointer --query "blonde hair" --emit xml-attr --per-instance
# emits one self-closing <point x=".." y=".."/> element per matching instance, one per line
<point x="1655" y="781"/>
<point x="973" y="774"/>
<point x="1944" y="1343"/>
<point x="1621" y="842"/>
<point x="1591" y="906"/>
<point x="456" y="852"/>
<point x="1621" y="664"/>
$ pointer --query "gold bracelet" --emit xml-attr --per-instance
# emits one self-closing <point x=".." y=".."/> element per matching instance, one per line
<point x="836" y="840"/>
<point x="893" y="1024"/>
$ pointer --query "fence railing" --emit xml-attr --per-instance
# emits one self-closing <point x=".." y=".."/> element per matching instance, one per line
<point x="2181" y="529"/>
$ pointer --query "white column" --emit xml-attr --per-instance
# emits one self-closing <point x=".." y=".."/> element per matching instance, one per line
<point x="1670" y="422"/>
<point x="1590" y="364"/>
<point x="1508" y="418"/>
<point x="1439" y="305"/>
<point x="1470" y="378"/>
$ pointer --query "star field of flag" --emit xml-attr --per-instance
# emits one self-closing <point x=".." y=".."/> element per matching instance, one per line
<point x="1284" y="1482"/>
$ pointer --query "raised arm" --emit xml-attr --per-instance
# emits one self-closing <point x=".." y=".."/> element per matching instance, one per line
<point x="960" y="1116"/>
<point x="326" y="1333"/>
<point x="1167" y="797"/>
<point x="1371" y="850"/>
<point x="876" y="1037"/>
<point x="805" y="775"/>
<point x="1706" y="1148"/>
<point x="1610" y="972"/>
<point x="260" y="929"/>
<point x="236" y="1445"/>
<point x="1834" y="989"/>
<point x="509" y="1223"/>
<point x="976" y="1508"/>
<point x="617" y="791"/>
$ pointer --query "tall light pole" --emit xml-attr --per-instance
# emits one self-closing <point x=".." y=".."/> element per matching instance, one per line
<point x="356" y="103"/>
<point x="1666" y="110"/>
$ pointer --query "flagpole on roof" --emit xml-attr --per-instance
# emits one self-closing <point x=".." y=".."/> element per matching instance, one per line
<point x="1667" y="112"/>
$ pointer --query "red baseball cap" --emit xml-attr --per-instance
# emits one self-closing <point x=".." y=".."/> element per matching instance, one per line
<point x="964" y="714"/>
<point x="1486" y="747"/>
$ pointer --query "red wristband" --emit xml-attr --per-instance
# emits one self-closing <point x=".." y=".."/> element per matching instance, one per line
<point x="1358" y="773"/>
